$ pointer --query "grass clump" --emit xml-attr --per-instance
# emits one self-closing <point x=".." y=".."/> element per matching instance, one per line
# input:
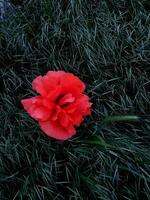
<point x="107" y="45"/>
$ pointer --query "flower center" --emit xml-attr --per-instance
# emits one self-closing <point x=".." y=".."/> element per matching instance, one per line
<point x="65" y="100"/>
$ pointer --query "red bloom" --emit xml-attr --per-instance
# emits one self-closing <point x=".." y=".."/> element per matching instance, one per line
<point x="61" y="105"/>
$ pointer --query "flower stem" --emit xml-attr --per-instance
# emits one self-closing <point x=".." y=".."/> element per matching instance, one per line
<point x="122" y="118"/>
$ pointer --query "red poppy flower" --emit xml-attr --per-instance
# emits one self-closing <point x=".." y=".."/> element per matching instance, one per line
<point x="61" y="105"/>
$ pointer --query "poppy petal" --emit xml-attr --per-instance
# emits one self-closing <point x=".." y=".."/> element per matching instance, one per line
<point x="55" y="74"/>
<point x="29" y="102"/>
<point x="83" y="105"/>
<point x="64" y="119"/>
<point x="55" y="130"/>
<point x="35" y="109"/>
<point x="77" y="118"/>
<point x="41" y="113"/>
<point x="38" y="86"/>
<point x="72" y="84"/>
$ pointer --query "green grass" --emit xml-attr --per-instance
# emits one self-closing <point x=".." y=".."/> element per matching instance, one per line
<point x="107" y="45"/>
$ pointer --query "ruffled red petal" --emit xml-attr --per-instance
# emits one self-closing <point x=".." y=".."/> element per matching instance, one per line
<point x="72" y="84"/>
<point x="55" y="130"/>
<point x="45" y="84"/>
<point x="35" y="108"/>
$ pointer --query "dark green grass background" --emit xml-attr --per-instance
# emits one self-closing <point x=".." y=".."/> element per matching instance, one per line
<point x="107" y="44"/>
